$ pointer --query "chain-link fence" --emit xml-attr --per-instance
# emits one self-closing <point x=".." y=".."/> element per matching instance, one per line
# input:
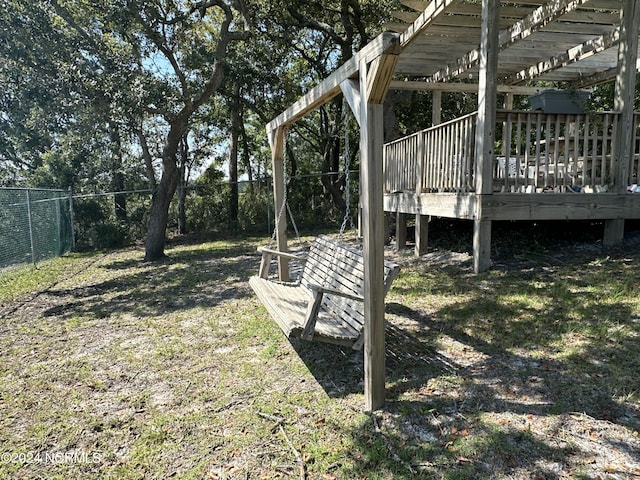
<point x="35" y="224"/>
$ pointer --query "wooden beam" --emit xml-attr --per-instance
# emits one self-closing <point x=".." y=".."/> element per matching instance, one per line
<point x="518" y="206"/>
<point x="520" y="30"/>
<point x="371" y="172"/>
<point x="575" y="54"/>
<point x="330" y="87"/>
<point x="379" y="77"/>
<point x="426" y="18"/>
<point x="625" y="89"/>
<point x="351" y="91"/>
<point x="486" y="128"/>
<point x="277" y="140"/>
<point x="600" y="77"/>
<point x="460" y="87"/>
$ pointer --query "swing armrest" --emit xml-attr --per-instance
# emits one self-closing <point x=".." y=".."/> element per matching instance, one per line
<point x="311" y="316"/>
<point x="268" y="253"/>
<point x="292" y="256"/>
<point x="332" y="291"/>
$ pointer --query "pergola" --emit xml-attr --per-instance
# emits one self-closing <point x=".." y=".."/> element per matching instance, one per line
<point x="494" y="46"/>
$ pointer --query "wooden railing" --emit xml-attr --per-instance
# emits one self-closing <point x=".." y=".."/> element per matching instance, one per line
<point x="438" y="159"/>
<point x="535" y="152"/>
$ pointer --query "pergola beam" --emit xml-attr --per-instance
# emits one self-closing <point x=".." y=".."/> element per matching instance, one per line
<point x="426" y="18"/>
<point x="600" y="77"/>
<point x="520" y="30"/>
<point x="459" y="87"/>
<point x="575" y="54"/>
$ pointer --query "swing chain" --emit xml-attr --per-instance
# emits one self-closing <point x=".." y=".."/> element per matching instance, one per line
<point x="347" y="160"/>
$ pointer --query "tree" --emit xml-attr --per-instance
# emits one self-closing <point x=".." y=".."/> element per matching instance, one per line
<point x="176" y="53"/>
<point x="175" y="33"/>
<point x="321" y="35"/>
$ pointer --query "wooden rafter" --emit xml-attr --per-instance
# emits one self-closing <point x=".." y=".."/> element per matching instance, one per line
<point x="418" y="5"/>
<point x="522" y="29"/>
<point x="426" y="18"/>
<point x="459" y="87"/>
<point x="600" y="77"/>
<point x="572" y="55"/>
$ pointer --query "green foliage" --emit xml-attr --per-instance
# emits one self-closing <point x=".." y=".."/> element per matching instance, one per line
<point x="97" y="227"/>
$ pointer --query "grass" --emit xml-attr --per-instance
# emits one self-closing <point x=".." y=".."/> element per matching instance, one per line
<point x="113" y="368"/>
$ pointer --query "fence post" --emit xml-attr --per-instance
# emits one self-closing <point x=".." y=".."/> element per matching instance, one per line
<point x="58" y="228"/>
<point x="71" y="220"/>
<point x="33" y="250"/>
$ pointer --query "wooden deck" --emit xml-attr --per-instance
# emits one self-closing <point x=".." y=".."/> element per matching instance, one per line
<point x="545" y="167"/>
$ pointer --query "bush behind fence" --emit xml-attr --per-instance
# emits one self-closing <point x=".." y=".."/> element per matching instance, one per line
<point x="35" y="224"/>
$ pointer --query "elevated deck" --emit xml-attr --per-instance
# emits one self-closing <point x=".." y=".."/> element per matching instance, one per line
<point x="545" y="167"/>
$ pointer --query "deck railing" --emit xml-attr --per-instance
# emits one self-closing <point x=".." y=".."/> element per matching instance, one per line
<point x="535" y="152"/>
<point x="438" y="159"/>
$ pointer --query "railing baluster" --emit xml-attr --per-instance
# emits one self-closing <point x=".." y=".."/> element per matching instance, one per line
<point x="548" y="149"/>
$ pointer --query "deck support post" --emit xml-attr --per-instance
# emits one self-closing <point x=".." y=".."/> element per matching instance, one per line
<point x="481" y="245"/>
<point x="486" y="129"/>
<point x="401" y="231"/>
<point x="422" y="221"/>
<point x="623" y="104"/>
<point x="277" y="143"/>
<point x="422" y="234"/>
<point x="387" y="227"/>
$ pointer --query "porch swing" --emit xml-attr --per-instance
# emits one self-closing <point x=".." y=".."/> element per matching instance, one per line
<point x="326" y="303"/>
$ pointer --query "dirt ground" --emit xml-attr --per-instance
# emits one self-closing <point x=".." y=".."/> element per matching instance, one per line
<point x="121" y="369"/>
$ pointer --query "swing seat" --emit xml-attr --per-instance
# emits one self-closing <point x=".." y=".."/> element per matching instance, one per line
<point x="326" y="304"/>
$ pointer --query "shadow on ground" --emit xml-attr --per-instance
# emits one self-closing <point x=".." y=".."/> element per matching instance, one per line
<point x="498" y="384"/>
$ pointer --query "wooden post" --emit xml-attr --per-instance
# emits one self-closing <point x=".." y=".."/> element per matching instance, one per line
<point x="277" y="142"/>
<point x="401" y="231"/>
<point x="422" y="221"/>
<point x="422" y="234"/>
<point x="485" y="130"/>
<point x="387" y="227"/>
<point x="374" y="80"/>
<point x="623" y="104"/>
<point x="436" y="107"/>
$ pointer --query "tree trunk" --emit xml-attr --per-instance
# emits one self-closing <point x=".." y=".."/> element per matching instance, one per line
<point x="182" y="190"/>
<point x="159" y="215"/>
<point x="233" y="160"/>
<point x="148" y="161"/>
<point x="246" y="158"/>
<point x="331" y="165"/>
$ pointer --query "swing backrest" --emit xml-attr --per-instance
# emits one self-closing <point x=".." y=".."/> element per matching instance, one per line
<point x="337" y="265"/>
